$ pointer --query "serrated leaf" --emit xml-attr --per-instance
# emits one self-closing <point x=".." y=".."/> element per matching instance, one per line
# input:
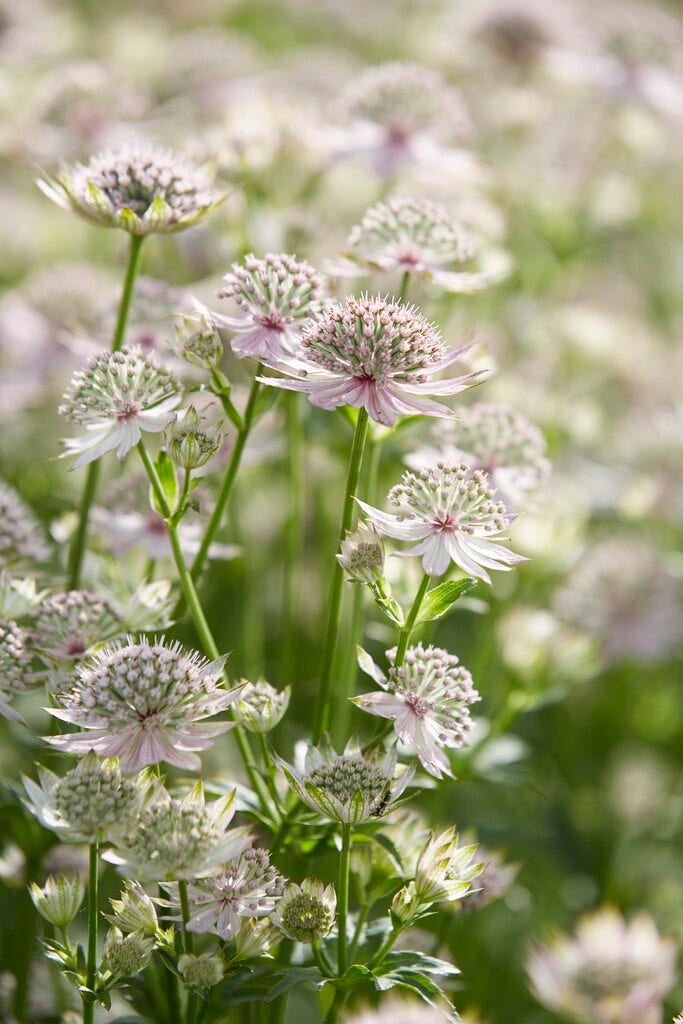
<point x="440" y="600"/>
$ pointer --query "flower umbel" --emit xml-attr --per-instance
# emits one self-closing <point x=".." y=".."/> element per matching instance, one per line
<point x="66" y="626"/>
<point x="15" y="659"/>
<point x="428" y="698"/>
<point x="609" y="972"/>
<point x="306" y="912"/>
<point x="374" y="354"/>
<point x="116" y="396"/>
<point x="143" y="703"/>
<point x="249" y="886"/>
<point x="451" y="512"/>
<point x="142" y="189"/>
<point x="20" y="535"/>
<point x="348" y="787"/>
<point x="275" y="295"/>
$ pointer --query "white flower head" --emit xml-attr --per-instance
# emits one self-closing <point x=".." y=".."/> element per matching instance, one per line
<point x="116" y="397"/>
<point x="15" y="661"/>
<point x="21" y="539"/>
<point x="144" y="703"/>
<point x="349" y="787"/>
<point x="306" y="912"/>
<point x="93" y="802"/>
<point x="609" y="972"/>
<point x="375" y="354"/>
<point x="451" y="512"/>
<point x="178" y="838"/>
<point x="246" y="887"/>
<point x="428" y="698"/>
<point x="141" y="188"/>
<point x="66" y="626"/>
<point x="276" y="296"/>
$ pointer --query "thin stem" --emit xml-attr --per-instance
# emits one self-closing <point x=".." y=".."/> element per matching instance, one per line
<point x="405" y="633"/>
<point x="321" y="959"/>
<point x="338" y="1003"/>
<point x="294" y="536"/>
<point x="199" y="619"/>
<point x="385" y="947"/>
<point x="363" y="911"/>
<point x="188" y="943"/>
<point x="78" y="544"/>
<point x="91" y="961"/>
<point x="405" y="284"/>
<point x="322" y="715"/>
<point x="343" y="899"/>
<point x="229" y="479"/>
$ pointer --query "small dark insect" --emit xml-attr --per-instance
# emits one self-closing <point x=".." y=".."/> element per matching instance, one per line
<point x="381" y="807"/>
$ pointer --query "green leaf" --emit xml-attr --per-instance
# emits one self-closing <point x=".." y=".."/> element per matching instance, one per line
<point x="267" y="399"/>
<point x="415" y="960"/>
<point x="296" y="976"/>
<point x="169" y="483"/>
<point x="442" y="598"/>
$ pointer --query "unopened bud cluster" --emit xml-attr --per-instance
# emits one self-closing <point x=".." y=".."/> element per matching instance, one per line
<point x="197" y="342"/>
<point x="200" y="972"/>
<point x="306" y="912"/>
<point x="126" y="955"/>
<point x="59" y="900"/>
<point x="191" y="441"/>
<point x="362" y="555"/>
<point x="260" y="706"/>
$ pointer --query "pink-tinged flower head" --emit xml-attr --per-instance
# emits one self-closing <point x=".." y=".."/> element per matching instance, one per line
<point x="247" y="887"/>
<point x="276" y="296"/>
<point x="116" y="396"/>
<point x="496" y="439"/>
<point x="15" y="661"/>
<point x="428" y="698"/>
<point x="21" y="539"/>
<point x="175" y="838"/>
<point x="398" y="112"/>
<point x="141" y="188"/>
<point x="66" y="626"/>
<point x="374" y="354"/>
<point x="608" y="972"/>
<point x="451" y="512"/>
<point x="143" y="703"/>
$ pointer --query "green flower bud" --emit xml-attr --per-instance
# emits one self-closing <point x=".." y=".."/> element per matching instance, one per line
<point x="362" y="555"/>
<point x="135" y="911"/>
<point x="200" y="972"/>
<point x="127" y="955"/>
<point x="260" y="706"/>
<point x="306" y="912"/>
<point x="197" y="342"/>
<point x="59" y="900"/>
<point x="191" y="441"/>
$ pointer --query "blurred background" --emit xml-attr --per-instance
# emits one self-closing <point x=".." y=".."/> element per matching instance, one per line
<point x="563" y="159"/>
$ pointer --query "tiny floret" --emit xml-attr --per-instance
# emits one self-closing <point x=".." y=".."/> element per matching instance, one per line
<point x="374" y="354"/>
<point x="260" y="706"/>
<point x="141" y="188"/>
<point x="306" y="912"/>
<point x="116" y="396"/>
<point x="452" y="514"/>
<point x="144" y="702"/>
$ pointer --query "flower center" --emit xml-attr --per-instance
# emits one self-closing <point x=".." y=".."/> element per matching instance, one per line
<point x="274" y="320"/>
<point x="128" y="411"/>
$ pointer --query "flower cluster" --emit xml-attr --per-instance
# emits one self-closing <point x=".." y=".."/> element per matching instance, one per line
<point x="374" y="354"/>
<point x="142" y="189"/>
<point x="305" y="912"/>
<point x="66" y="626"/>
<point x="276" y="295"/>
<point x="260" y="706"/>
<point x="451" y="512"/>
<point x="143" y="703"/>
<point x="15" y="661"/>
<point x="192" y="441"/>
<point x="115" y="397"/>
<point x="20" y="535"/>
<point x="428" y="698"/>
<point x="248" y="886"/>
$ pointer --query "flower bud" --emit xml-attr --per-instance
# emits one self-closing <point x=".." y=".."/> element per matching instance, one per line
<point x="362" y="555"/>
<point x="405" y="906"/>
<point x="191" y="441"/>
<point x="445" y="870"/>
<point x="306" y="912"/>
<point x="59" y="900"/>
<point x="260" y="706"/>
<point x="197" y="341"/>
<point x="200" y="972"/>
<point x="135" y="911"/>
<point x="254" y="937"/>
<point x="127" y="955"/>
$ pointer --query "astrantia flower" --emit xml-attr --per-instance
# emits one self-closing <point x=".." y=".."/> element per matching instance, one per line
<point x="180" y="838"/>
<point x="66" y="626"/>
<point x="398" y="113"/>
<point x="374" y="354"/>
<point x="276" y="296"/>
<point x="140" y="188"/>
<point x="496" y="439"/>
<point x="59" y="900"/>
<point x="451" y="512"/>
<point x="260" y="706"/>
<point x="20" y="534"/>
<point x="249" y="886"/>
<point x="428" y="698"/>
<point x="200" y="972"/>
<point x="348" y="787"/>
<point x="192" y="441"/>
<point x="197" y="341"/>
<point x="362" y="555"/>
<point x="15" y="660"/>
<point x="94" y="802"/>
<point x="126" y="955"/>
<point x="143" y="703"/>
<point x="306" y="912"/>
<point x="445" y="870"/>
<point x="115" y="397"/>
<point x="609" y="972"/>
<point x="413" y="236"/>
<point x="134" y="911"/>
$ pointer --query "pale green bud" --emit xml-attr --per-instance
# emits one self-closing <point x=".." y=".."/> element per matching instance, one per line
<point x="200" y="972"/>
<point x="59" y="900"/>
<point x="191" y="441"/>
<point x="197" y="341"/>
<point x="127" y="955"/>
<point x="254" y="937"/>
<point x="445" y="871"/>
<point x="305" y="912"/>
<point x="405" y="905"/>
<point x="135" y="911"/>
<point x="362" y="555"/>
<point x="260" y="706"/>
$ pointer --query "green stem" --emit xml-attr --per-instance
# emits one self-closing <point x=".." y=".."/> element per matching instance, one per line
<point x="343" y="899"/>
<point x="405" y="284"/>
<point x="199" y="619"/>
<point x="338" y="1003"/>
<point x="229" y="479"/>
<point x="385" y="947"/>
<point x="322" y="714"/>
<point x="78" y="544"/>
<point x="188" y="943"/>
<point x="321" y="960"/>
<point x="295" y="524"/>
<point x="91" y="961"/>
<point x="405" y="633"/>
